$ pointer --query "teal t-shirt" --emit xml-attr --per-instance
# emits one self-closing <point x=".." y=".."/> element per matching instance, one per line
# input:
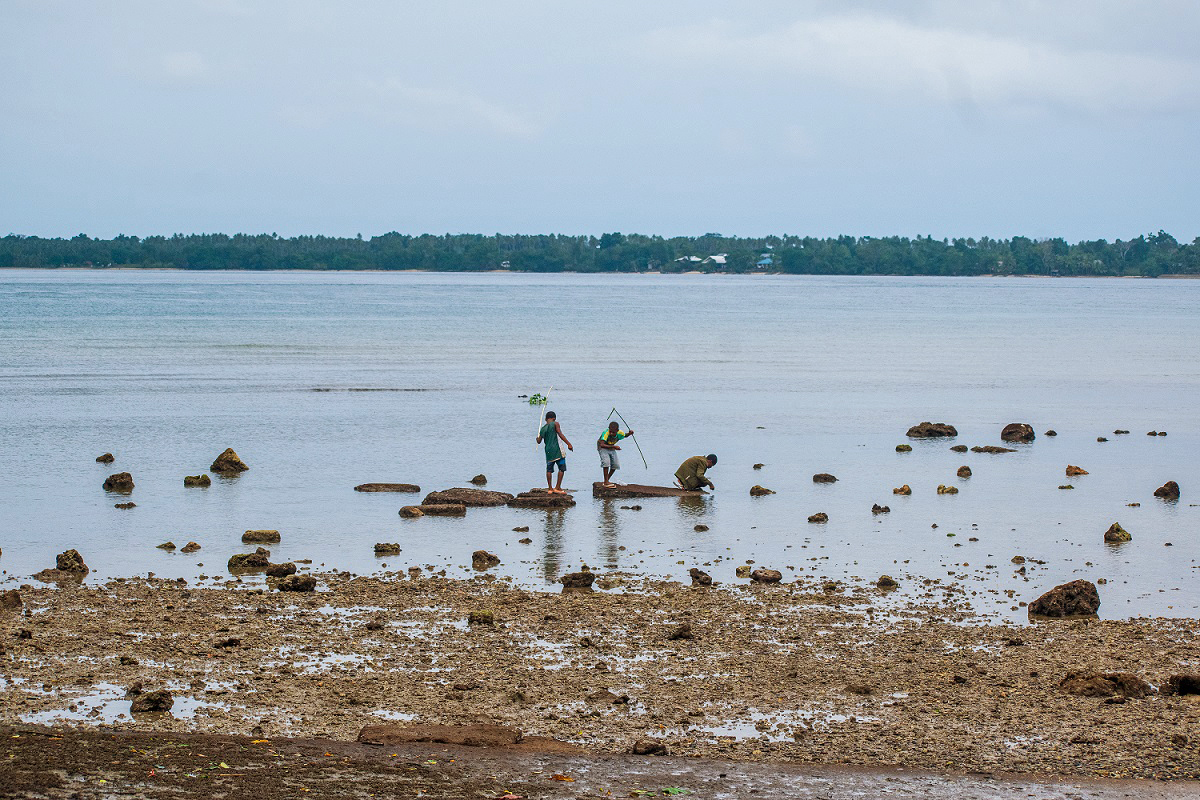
<point x="549" y="434"/>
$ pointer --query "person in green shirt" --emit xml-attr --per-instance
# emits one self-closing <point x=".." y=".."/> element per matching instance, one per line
<point x="690" y="474"/>
<point x="608" y="447"/>
<point x="550" y="433"/>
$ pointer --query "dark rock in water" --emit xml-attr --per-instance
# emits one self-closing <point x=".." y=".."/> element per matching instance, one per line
<point x="1116" y="533"/>
<point x="521" y="529"/>
<point x="540" y="498"/>
<point x="760" y="491"/>
<point x="387" y="487"/>
<point x="119" y="482"/>
<point x="886" y="582"/>
<point x="260" y="537"/>
<point x="699" y="528"/>
<point x="158" y="700"/>
<point x="297" y="583"/>
<point x="824" y="477"/>
<point x="578" y="580"/>
<point x="412" y="512"/>
<point x="247" y="562"/>
<point x="107" y="458"/>
<point x="943" y="489"/>
<point x="904" y="490"/>
<point x="991" y="448"/>
<point x="700" y="577"/>
<point x="467" y="497"/>
<point x="71" y="561"/>
<point x="481" y="618"/>
<point x="1101" y="439"/>
<point x="743" y="571"/>
<point x="479" y="480"/>
<point x="10" y="600"/>
<point x="281" y="570"/>
<point x="904" y="448"/>
<point x="1119" y="432"/>
<point x="1074" y="599"/>
<point x="1105" y="684"/>
<point x="482" y="559"/>
<point x="964" y="471"/>
<point x="1017" y="432"/>
<point x="525" y="540"/>
<point x="478" y="735"/>
<point x="819" y="517"/>
<point x="932" y="430"/>
<point x="202" y="481"/>
<point x="1066" y="486"/>
<point x="125" y="506"/>
<point x="649" y="747"/>
<point x="1162" y="433"/>
<point x="228" y="461"/>
<point x="878" y="509"/>
<point x="190" y="547"/>
<point x="1050" y="433"/>
<point x="387" y="548"/>
<point x="441" y="510"/>
<point x="680" y="632"/>
<point x="766" y="576"/>
<point x="1073" y="471"/>
<point x="1182" y="684"/>
<point x="759" y="466"/>
<point x="167" y="546"/>
<point x="1168" y="491"/>
<point x="959" y="448"/>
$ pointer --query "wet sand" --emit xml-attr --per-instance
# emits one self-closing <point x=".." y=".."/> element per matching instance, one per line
<point x="804" y="672"/>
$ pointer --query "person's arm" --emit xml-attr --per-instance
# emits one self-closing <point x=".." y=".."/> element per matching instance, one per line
<point x="603" y="444"/>
<point x="563" y="436"/>
<point x="700" y="474"/>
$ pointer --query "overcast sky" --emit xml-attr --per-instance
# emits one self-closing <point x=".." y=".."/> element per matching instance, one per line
<point x="1074" y="118"/>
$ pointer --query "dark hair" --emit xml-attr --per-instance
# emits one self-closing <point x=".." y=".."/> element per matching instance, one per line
<point x="551" y="415"/>
<point x="712" y="458"/>
<point x="611" y="424"/>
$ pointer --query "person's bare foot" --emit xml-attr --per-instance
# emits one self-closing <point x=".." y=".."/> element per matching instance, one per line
<point x="608" y="485"/>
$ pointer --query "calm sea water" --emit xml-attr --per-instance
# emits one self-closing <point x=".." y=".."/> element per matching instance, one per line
<point x="804" y="374"/>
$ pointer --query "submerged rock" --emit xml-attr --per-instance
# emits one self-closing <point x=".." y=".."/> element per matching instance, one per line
<point x="467" y="497"/>
<point x="743" y="571"/>
<point x="1066" y="486"/>
<point x="964" y="471"/>
<point x="413" y="512"/>
<point x="824" y="477"/>
<point x="1119" y="432"/>
<point x="1116" y="533"/>
<point x="759" y="491"/>
<point x="904" y="448"/>
<point x="119" y="482"/>
<point x="991" y="448"/>
<point x="700" y="528"/>
<point x="190" y="547"/>
<point x="578" y="580"/>
<point x="247" y="562"/>
<point x="167" y="546"/>
<point x="759" y="466"/>
<point x="1073" y="471"/>
<point x="700" y="577"/>
<point x="1017" y="432"/>
<point x="1105" y="684"/>
<point x="125" y="506"/>
<point x="959" y="448"/>
<point x="482" y="559"/>
<point x="387" y="487"/>
<point x="1101" y="439"/>
<point x="202" y="481"/>
<point x="942" y="489"/>
<point x="819" y="517"/>
<point x="905" y="489"/>
<point x="878" y="509"/>
<point x="260" y="537"/>
<point x="766" y="576"/>
<point x="158" y="700"/>
<point x="228" y="461"/>
<point x="387" y="548"/>
<point x="1168" y="491"/>
<point x="1075" y="599"/>
<point x="1050" y="433"/>
<point x="107" y="458"/>
<point x="932" y="430"/>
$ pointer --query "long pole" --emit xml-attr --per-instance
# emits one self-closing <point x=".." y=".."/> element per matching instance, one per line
<point x="635" y="441"/>
<point x="542" y="415"/>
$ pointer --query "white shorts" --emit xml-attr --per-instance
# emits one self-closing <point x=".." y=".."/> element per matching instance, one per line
<point x="608" y="460"/>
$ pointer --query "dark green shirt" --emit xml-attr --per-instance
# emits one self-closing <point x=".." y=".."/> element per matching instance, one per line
<point x="549" y="434"/>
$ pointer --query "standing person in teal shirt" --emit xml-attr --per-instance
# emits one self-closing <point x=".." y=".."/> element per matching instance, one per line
<point x="550" y="434"/>
<point x="608" y="447"/>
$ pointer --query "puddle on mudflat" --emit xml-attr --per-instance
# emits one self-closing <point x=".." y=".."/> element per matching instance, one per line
<point x="106" y="703"/>
<point x="776" y="726"/>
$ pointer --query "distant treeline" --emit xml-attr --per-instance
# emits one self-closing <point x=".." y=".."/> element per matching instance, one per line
<point x="1150" y="255"/>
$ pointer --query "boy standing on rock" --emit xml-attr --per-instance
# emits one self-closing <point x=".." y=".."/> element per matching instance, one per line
<point x="608" y="447"/>
<point x="550" y="434"/>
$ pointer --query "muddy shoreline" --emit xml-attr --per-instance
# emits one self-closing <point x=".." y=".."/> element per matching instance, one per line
<point x="800" y="672"/>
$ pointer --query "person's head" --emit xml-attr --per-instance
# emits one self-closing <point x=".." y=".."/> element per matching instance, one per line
<point x="550" y="415"/>
<point x="712" y="460"/>
<point x="614" y="427"/>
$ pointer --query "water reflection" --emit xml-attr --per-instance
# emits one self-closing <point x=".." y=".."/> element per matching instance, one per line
<point x="552" y="545"/>
<point x="610" y="533"/>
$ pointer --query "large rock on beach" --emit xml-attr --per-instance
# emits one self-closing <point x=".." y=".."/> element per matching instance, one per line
<point x="158" y="700"/>
<point x="10" y="600"/>
<point x="260" y="537"/>
<point x="578" y="580"/>
<point x="1168" y="491"/>
<point x="281" y="570"/>
<point x="1017" y="432"/>
<point x="467" y="497"/>
<point x="387" y="487"/>
<point x="297" y="583"/>
<point x="932" y="430"/>
<point x="766" y="576"/>
<point x="71" y="561"/>
<point x="1116" y="533"/>
<point x="1105" y="684"/>
<point x="248" y="562"/>
<point x="1078" y="598"/>
<point x="482" y="559"/>
<point x="824" y="477"/>
<point x="700" y="577"/>
<point x="119" y="482"/>
<point x="1182" y="684"/>
<point x="228" y="462"/>
<point x="540" y="498"/>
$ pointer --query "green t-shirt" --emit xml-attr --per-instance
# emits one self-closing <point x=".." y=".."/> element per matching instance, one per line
<point x="549" y="434"/>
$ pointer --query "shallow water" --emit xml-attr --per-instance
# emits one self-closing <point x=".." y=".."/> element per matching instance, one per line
<point x="804" y="374"/>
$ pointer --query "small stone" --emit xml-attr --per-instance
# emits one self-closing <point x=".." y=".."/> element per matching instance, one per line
<point x="521" y="529"/>
<point x="481" y="618"/>
<point x="760" y="491"/>
<point x="878" y="509"/>
<point x="224" y="644"/>
<point x="125" y="506"/>
<point x="905" y="490"/>
<point x="759" y="466"/>
<point x="482" y="559"/>
<point x="858" y="688"/>
<point x="1017" y="432"/>
<point x="1073" y="471"/>
<point x="1101" y="439"/>
<point x="107" y="458"/>
<point x="904" y="448"/>
<point x="479" y="480"/>
<point x="824" y="477"/>
<point x="964" y="471"/>
<point x="700" y="528"/>
<point x="259" y="559"/>
<point x="743" y="571"/>
<point x="932" y="430"/>
<point x="1066" y="486"/>
<point x="202" y="481"/>
<point x="947" y="490"/>
<point x="578" y="580"/>
<point x="167" y="546"/>
<point x="525" y="540"/>
<point x="1116" y="533"/>
<point x="1050" y="433"/>
<point x="260" y="537"/>
<point x="819" y="518"/>
<point x="71" y="561"/>
<point x="959" y="448"/>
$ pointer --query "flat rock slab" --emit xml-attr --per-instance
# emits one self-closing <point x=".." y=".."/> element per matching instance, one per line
<point x="638" y="490"/>
<point x="540" y="498"/>
<point x="467" y="497"/>
<point x="387" y="487"/>
<point x="470" y="735"/>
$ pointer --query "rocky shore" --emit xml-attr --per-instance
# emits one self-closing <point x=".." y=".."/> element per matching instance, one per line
<point x="793" y="672"/>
